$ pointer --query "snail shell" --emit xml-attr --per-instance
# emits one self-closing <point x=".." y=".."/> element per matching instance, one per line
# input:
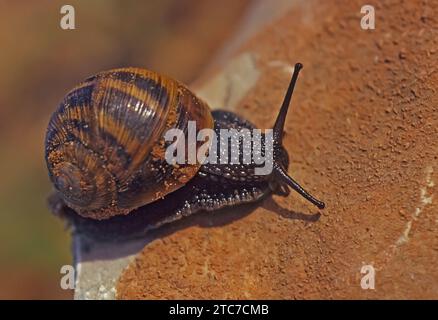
<point x="105" y="147"/>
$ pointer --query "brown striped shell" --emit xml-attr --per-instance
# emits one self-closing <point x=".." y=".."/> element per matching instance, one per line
<point x="105" y="144"/>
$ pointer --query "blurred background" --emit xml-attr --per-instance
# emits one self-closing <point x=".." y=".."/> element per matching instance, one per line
<point x="39" y="62"/>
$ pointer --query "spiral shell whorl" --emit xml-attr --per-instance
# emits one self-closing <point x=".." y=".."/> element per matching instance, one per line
<point x="105" y="146"/>
<point x="81" y="178"/>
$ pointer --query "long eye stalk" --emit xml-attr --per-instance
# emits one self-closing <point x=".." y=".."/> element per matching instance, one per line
<point x="284" y="177"/>
<point x="279" y="172"/>
<point x="281" y="118"/>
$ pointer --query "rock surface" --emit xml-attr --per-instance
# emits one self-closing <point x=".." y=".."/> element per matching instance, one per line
<point x="362" y="136"/>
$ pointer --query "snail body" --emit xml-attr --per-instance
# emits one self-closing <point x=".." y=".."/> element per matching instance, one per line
<point x="105" y="149"/>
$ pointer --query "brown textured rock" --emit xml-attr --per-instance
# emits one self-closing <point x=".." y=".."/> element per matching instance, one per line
<point x="362" y="136"/>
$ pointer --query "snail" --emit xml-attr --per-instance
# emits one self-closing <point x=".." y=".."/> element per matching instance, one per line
<point x="105" y="150"/>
